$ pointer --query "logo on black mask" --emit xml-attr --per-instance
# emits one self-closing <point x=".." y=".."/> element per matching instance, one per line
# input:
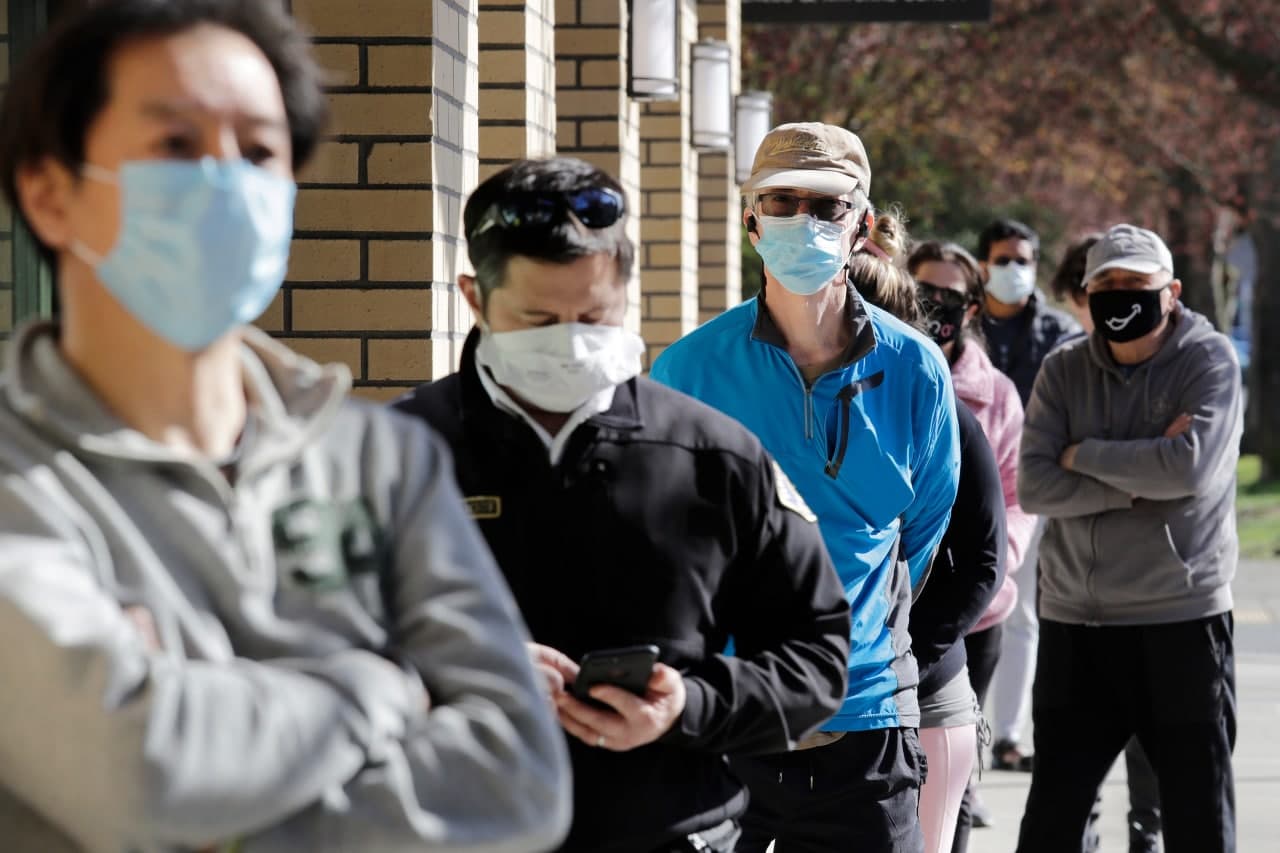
<point x="1126" y="315"/>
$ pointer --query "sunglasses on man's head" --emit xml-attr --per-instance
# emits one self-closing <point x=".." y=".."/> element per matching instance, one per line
<point x="594" y="207"/>
<point x="785" y="204"/>
<point x="944" y="296"/>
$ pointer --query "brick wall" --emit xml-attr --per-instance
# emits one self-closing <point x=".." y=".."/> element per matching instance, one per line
<point x="595" y="119"/>
<point x="517" y="82"/>
<point x="719" y="202"/>
<point x="6" y="219"/>
<point x="669" y="191"/>
<point x="378" y="240"/>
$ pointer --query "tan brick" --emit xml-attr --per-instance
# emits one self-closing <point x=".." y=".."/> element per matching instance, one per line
<point x="378" y="113"/>
<point x="566" y="72"/>
<point x="4" y="22"/>
<point x="572" y="41"/>
<point x="399" y="359"/>
<point x="664" y="127"/>
<point x="324" y="260"/>
<point x="6" y="260"/>
<point x="6" y="219"/>
<point x="663" y="281"/>
<point x="503" y="104"/>
<point x="663" y="307"/>
<point x="503" y="66"/>
<point x="511" y="143"/>
<point x="4" y="61"/>
<point x="662" y="204"/>
<point x="400" y="260"/>
<point x="566" y="12"/>
<point x="502" y="26"/>
<point x="328" y="350"/>
<point x="662" y="177"/>
<point x="606" y="72"/>
<point x="663" y="255"/>
<point x="365" y="17"/>
<point x="588" y="102"/>
<point x="660" y="332"/>
<point x="355" y="310"/>
<point x="341" y="63"/>
<point x="399" y="65"/>
<point x="567" y="134"/>
<point x="661" y="229"/>
<point x="381" y="393"/>
<point x="399" y="163"/>
<point x="363" y="210"/>
<point x="600" y="132"/>
<point x="601" y="12"/>
<point x="272" y="320"/>
<point x="333" y="163"/>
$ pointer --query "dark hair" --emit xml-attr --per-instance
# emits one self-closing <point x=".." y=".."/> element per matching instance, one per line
<point x="1005" y="229"/>
<point x="561" y="243"/>
<point x="1068" y="280"/>
<point x="880" y="280"/>
<point x="61" y="86"/>
<point x="953" y="253"/>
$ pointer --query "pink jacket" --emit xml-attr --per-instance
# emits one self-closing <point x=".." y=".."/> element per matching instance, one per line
<point x="993" y="399"/>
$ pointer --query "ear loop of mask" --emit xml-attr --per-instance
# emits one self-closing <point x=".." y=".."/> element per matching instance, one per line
<point x="77" y="248"/>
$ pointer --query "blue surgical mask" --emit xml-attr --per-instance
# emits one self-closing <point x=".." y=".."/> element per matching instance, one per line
<point x="804" y="254"/>
<point x="203" y="245"/>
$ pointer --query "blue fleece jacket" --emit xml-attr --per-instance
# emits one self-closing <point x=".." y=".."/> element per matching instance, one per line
<point x="872" y="447"/>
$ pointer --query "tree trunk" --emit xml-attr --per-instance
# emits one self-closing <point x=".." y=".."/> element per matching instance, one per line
<point x="1264" y="379"/>
<point x="1190" y="235"/>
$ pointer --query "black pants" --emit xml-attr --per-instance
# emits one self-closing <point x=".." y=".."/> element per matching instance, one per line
<point x="1173" y="687"/>
<point x="860" y="793"/>
<point x="983" y="650"/>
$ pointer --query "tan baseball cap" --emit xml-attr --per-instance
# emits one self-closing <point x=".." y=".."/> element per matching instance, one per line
<point x="812" y="156"/>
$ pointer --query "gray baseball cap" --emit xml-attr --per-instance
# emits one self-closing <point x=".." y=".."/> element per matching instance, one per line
<point x="1128" y="247"/>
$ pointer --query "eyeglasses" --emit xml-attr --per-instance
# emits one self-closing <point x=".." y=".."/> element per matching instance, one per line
<point x="1005" y="260"/>
<point x="784" y="204"/>
<point x="944" y="296"/>
<point x="594" y="207"/>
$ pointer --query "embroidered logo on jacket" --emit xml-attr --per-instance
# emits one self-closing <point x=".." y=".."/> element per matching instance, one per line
<point x="789" y="495"/>
<point x="322" y="544"/>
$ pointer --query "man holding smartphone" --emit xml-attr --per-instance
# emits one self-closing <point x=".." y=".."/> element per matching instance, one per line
<point x="625" y="514"/>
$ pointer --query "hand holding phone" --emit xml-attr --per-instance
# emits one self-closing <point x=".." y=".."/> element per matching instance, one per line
<point x="629" y="668"/>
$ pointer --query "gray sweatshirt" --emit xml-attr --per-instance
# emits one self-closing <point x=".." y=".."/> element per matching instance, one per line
<point x="1143" y="530"/>
<point x="270" y="717"/>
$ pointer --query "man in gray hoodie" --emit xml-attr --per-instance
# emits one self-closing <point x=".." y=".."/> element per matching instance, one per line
<point x="1130" y="448"/>
<point x="237" y="610"/>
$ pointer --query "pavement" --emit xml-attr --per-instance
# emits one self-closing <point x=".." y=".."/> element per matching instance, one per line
<point x="1257" y="754"/>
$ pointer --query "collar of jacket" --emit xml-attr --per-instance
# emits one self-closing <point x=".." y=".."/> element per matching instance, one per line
<point x="1184" y="322"/>
<point x="478" y="408"/>
<point x="292" y="398"/>
<point x="973" y="375"/>
<point x="861" y="343"/>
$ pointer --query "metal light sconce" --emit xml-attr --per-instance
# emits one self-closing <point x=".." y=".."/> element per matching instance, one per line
<point x="712" y="95"/>
<point x="754" y="119"/>
<point x="654" y="47"/>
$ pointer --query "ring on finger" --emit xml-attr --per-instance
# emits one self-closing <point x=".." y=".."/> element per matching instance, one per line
<point x="599" y="741"/>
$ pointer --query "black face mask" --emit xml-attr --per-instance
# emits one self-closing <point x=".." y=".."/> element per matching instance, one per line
<point x="1126" y="315"/>
<point x="942" y="322"/>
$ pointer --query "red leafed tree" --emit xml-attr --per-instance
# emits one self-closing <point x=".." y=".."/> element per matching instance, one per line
<point x="1150" y="111"/>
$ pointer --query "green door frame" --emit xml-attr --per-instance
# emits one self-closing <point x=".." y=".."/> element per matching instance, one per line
<point x="33" y="289"/>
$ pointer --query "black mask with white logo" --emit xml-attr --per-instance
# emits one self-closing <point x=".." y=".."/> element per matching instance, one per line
<point x="1126" y="315"/>
<point x="943" y="322"/>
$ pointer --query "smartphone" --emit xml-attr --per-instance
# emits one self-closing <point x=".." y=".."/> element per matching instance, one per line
<point x="629" y="668"/>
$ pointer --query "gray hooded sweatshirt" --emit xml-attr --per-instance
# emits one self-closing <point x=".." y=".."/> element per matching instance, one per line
<point x="1143" y="531"/>
<point x="268" y="717"/>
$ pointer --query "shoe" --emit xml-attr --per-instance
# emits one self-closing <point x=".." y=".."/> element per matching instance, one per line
<point x="1005" y="755"/>
<point x="979" y="815"/>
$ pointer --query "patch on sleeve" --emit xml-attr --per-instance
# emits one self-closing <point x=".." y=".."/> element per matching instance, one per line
<point x="789" y="495"/>
<point x="484" y="506"/>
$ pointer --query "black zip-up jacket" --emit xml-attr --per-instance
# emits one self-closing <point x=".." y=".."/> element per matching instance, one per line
<point x="1036" y="330"/>
<point x="664" y="522"/>
<point x="969" y="566"/>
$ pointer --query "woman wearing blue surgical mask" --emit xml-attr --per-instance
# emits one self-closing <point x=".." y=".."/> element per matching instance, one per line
<point x="224" y="585"/>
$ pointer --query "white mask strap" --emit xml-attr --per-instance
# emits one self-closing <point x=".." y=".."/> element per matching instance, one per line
<point x="98" y="173"/>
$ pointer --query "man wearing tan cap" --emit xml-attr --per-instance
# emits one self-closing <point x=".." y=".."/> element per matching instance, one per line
<point x="1130" y="448"/>
<point x="858" y="410"/>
